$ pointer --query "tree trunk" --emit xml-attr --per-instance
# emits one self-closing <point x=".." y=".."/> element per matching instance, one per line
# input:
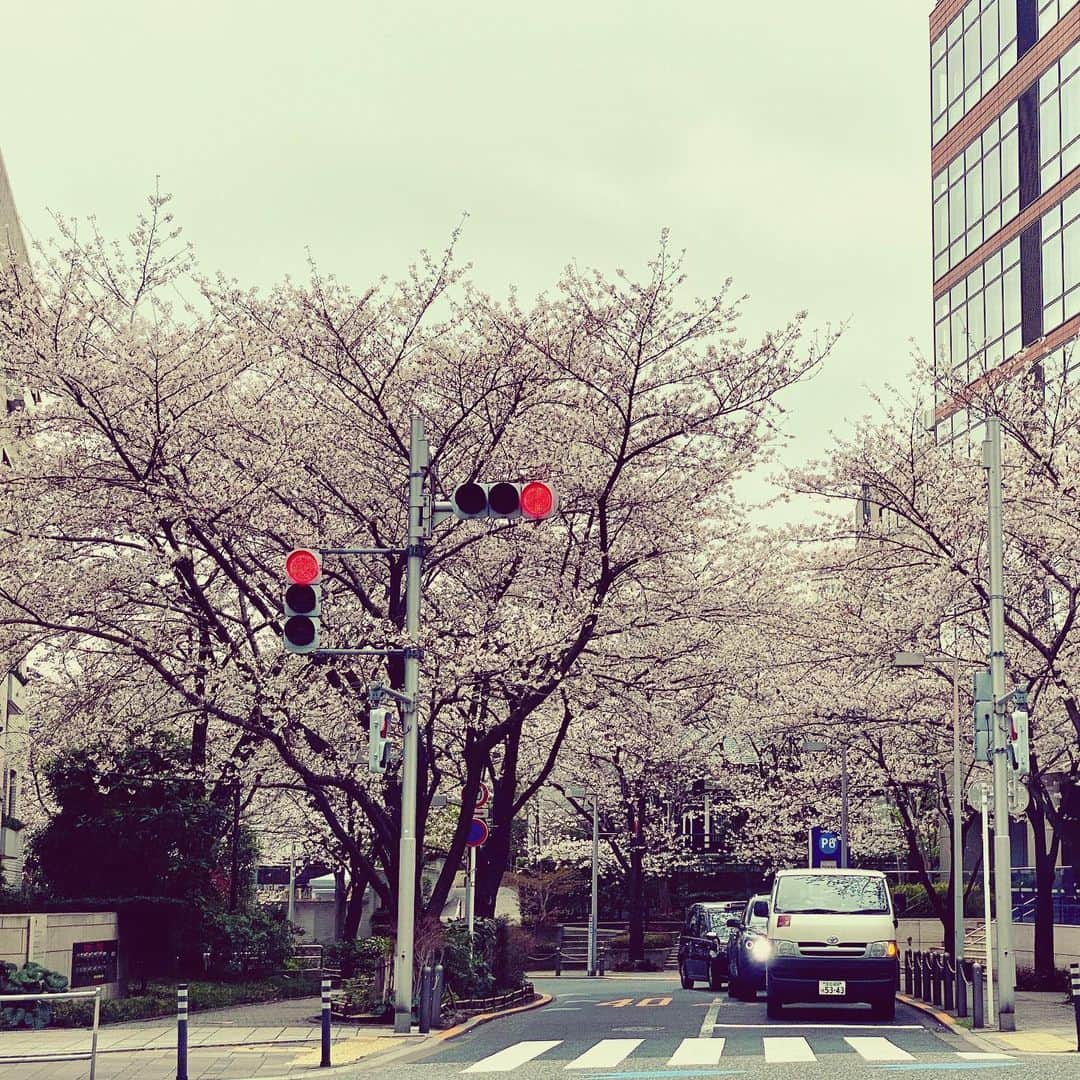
<point x="1045" y="859"/>
<point x="354" y="910"/>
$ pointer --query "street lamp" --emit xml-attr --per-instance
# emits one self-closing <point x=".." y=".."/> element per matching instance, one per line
<point x="576" y="791"/>
<point x="819" y="746"/>
<point x="919" y="660"/>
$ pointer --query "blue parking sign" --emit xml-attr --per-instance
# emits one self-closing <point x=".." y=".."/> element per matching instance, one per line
<point x="825" y="847"/>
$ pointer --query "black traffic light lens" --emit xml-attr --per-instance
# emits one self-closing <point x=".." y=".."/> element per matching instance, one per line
<point x="300" y="598"/>
<point x="503" y="499"/>
<point x="299" y="630"/>
<point x="471" y="498"/>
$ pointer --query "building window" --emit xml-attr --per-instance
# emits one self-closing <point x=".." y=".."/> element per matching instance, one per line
<point x="977" y="192"/>
<point x="977" y="323"/>
<point x="1050" y="12"/>
<point x="1059" y="119"/>
<point x="968" y="57"/>
<point x="1061" y="262"/>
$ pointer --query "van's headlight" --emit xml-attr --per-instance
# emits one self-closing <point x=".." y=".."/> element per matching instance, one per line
<point x="784" y="948"/>
<point x="879" y="949"/>
<point x="760" y="948"/>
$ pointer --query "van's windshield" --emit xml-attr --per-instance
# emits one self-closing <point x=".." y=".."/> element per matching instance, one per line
<point x="826" y="894"/>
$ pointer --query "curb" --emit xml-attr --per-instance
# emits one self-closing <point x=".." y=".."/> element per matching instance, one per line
<point x="949" y="1022"/>
<point x="381" y="1057"/>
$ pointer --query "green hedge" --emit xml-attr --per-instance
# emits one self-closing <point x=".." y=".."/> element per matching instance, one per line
<point x="160" y="999"/>
<point x="918" y="904"/>
<point x="652" y="941"/>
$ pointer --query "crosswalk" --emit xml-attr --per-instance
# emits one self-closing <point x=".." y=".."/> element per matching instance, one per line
<point x="777" y="1050"/>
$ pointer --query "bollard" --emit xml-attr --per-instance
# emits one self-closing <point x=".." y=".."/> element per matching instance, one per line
<point x="425" y="999"/>
<point x="558" y="959"/>
<point x="950" y="976"/>
<point x="909" y="981"/>
<point x="325" y="1062"/>
<point x="976" y="996"/>
<point x="961" y="991"/>
<point x="601" y="952"/>
<point x="181" y="1031"/>
<point x="1074" y="983"/>
<point x="436" y="996"/>
<point x="918" y="974"/>
<point x="935" y="979"/>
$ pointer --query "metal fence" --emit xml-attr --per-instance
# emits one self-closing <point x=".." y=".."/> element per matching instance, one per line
<point x="89" y="1055"/>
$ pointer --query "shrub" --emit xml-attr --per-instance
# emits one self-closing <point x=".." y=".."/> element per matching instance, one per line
<point x="249" y="941"/>
<point x="513" y="946"/>
<point x="652" y="941"/>
<point x="1027" y="979"/>
<point x="31" y="978"/>
<point x="357" y="957"/>
<point x="466" y="969"/>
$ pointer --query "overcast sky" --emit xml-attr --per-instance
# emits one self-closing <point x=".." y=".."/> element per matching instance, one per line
<point x="785" y="144"/>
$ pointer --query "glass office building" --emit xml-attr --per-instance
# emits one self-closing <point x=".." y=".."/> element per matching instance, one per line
<point x="1005" y="135"/>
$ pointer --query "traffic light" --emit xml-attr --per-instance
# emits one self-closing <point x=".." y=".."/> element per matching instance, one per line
<point x="378" y="740"/>
<point x="1019" y="730"/>
<point x="534" y="501"/>
<point x="983" y="711"/>
<point x="302" y="603"/>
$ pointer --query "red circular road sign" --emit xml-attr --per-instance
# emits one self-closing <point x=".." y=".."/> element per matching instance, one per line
<point x="478" y="833"/>
<point x="482" y="796"/>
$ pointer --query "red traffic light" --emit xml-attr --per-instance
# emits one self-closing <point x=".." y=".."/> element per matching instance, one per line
<point x="303" y="566"/>
<point x="537" y="501"/>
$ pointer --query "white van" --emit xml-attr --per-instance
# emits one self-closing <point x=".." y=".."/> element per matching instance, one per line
<point x="832" y="936"/>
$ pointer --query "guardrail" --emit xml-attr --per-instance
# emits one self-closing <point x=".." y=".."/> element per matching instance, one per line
<point x="935" y="979"/>
<point x="90" y="1055"/>
<point x="491" y="1004"/>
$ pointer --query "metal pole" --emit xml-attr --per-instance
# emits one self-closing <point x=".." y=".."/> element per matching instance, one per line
<point x="843" y="809"/>
<point x="1006" y="962"/>
<point x="957" y="838"/>
<point x="708" y="822"/>
<point x="181" y="1031"/>
<point x="595" y="861"/>
<point x="324" y="1063"/>
<point x="470" y="893"/>
<point x="291" y="916"/>
<point x="986" y="901"/>
<point x="406" y="898"/>
<point x="94" y="1032"/>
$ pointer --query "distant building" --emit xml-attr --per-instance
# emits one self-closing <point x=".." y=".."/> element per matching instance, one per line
<point x="13" y="720"/>
<point x="1005" y="146"/>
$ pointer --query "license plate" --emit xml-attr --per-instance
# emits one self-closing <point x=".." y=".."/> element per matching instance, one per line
<point x="832" y="989"/>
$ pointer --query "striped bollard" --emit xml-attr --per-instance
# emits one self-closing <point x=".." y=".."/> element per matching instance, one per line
<point x="325" y="1062"/>
<point x="181" y="1031"/>
<point x="1074" y="981"/>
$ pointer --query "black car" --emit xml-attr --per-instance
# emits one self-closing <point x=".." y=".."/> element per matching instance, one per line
<point x="748" y="950"/>
<point x="703" y="943"/>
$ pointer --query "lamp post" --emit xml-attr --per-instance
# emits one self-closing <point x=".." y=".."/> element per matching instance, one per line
<point x="918" y="660"/>
<point x="576" y="791"/>
<point x="819" y="746"/>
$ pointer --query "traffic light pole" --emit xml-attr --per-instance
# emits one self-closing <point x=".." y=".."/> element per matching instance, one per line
<point x="1006" y="964"/>
<point x="403" y="957"/>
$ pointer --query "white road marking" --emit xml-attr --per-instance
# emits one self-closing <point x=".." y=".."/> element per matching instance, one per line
<point x="606" y="1053"/>
<point x="786" y="1050"/>
<point x="698" y="1052"/>
<point x="968" y="1055"/>
<point x="709" y="1022"/>
<point x="877" y="1048"/>
<point x="823" y="1027"/>
<point x="509" y="1059"/>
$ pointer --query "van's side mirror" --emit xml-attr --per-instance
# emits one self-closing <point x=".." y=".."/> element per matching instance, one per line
<point x="899" y="903"/>
<point x="761" y="909"/>
<point x="734" y="924"/>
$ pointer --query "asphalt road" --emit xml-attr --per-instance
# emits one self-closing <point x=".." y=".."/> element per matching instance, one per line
<point x="651" y="1029"/>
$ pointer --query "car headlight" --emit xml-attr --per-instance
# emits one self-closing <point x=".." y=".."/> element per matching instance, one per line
<point x="784" y="948"/>
<point x="760" y="948"/>
<point x="879" y="949"/>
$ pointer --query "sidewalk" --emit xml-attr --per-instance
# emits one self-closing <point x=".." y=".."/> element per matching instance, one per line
<point x="1045" y="1023"/>
<point x="280" y="1038"/>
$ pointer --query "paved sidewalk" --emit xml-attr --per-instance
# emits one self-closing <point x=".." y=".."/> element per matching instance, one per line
<point x="272" y="1039"/>
<point x="1045" y="1023"/>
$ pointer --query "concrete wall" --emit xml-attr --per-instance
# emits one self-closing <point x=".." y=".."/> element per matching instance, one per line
<point x="47" y="939"/>
<point x="928" y="934"/>
<point x="316" y="917"/>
